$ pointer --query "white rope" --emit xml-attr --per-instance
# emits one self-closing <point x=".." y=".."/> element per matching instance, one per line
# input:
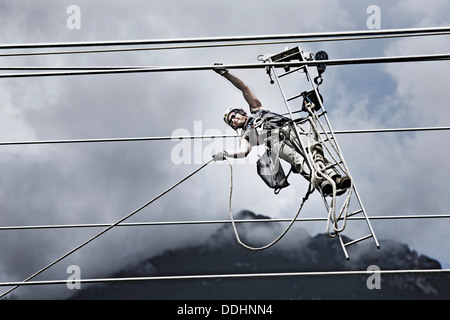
<point x="233" y="222"/>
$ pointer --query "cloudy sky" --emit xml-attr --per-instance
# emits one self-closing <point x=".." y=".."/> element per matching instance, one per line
<point x="395" y="173"/>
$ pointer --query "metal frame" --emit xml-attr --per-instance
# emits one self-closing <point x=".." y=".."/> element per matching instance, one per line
<point x="340" y="162"/>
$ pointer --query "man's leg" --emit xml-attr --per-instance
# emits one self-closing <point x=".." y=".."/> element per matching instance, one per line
<point x="291" y="152"/>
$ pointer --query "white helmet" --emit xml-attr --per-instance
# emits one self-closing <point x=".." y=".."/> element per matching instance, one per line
<point x="232" y="109"/>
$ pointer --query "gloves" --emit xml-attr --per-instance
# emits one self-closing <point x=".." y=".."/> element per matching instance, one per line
<point x="221" y="71"/>
<point x="220" y="156"/>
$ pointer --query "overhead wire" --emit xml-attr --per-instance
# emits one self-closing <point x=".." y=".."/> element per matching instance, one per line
<point x="17" y="54"/>
<point x="208" y="222"/>
<point x="92" y="70"/>
<point x="321" y="35"/>
<point x="28" y="68"/>
<point x="231" y="276"/>
<point x="216" y="136"/>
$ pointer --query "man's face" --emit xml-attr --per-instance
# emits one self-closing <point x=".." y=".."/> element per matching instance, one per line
<point x="236" y="120"/>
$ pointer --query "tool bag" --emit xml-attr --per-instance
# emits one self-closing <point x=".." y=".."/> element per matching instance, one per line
<point x="272" y="173"/>
<point x="269" y="167"/>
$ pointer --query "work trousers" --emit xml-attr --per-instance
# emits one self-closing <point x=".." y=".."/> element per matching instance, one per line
<point x="285" y="145"/>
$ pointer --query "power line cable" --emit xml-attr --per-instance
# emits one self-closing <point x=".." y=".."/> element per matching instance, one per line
<point x="83" y="68"/>
<point x="140" y="69"/>
<point x="228" y="38"/>
<point x="232" y="276"/>
<point x="160" y="138"/>
<point x="193" y="137"/>
<point x="391" y="130"/>
<point x="17" y="54"/>
<point x="208" y="222"/>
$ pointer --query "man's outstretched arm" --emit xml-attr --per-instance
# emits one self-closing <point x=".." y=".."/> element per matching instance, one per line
<point x="253" y="102"/>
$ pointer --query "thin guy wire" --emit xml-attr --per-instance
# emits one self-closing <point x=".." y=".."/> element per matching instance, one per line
<point x="174" y="138"/>
<point x="109" y="227"/>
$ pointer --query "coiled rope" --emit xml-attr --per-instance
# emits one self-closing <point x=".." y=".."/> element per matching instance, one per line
<point x="319" y="173"/>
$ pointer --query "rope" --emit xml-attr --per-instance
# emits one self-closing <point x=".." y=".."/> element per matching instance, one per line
<point x="110" y="227"/>
<point x="233" y="222"/>
<point x="319" y="172"/>
<point x="316" y="161"/>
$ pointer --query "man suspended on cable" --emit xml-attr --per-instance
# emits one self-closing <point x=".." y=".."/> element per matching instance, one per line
<point x="278" y="133"/>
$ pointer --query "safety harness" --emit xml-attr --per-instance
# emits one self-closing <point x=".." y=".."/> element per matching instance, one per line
<point x="268" y="165"/>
